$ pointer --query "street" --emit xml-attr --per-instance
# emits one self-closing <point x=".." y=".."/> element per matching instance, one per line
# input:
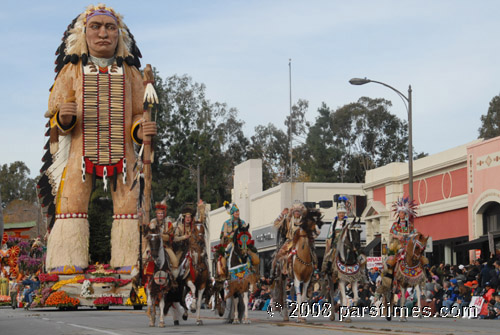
<point x="125" y="320"/>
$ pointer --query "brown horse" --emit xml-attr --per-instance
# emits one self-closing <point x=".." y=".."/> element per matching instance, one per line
<point x="302" y="264"/>
<point x="409" y="272"/>
<point x="194" y="268"/>
<point x="160" y="283"/>
<point x="242" y="273"/>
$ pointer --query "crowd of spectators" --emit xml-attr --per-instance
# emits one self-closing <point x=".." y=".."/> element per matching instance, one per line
<point x="448" y="290"/>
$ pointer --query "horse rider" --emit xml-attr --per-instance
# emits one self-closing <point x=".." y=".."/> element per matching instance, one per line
<point x="333" y="235"/>
<point x="229" y="227"/>
<point x="401" y="232"/>
<point x="288" y="222"/>
<point x="163" y="226"/>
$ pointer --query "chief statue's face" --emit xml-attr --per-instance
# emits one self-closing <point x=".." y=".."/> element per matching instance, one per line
<point x="341" y="215"/>
<point x="102" y="36"/>
<point x="188" y="218"/>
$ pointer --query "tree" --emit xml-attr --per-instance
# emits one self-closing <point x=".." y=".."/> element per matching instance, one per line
<point x="345" y="143"/>
<point x="16" y="183"/>
<point x="490" y="123"/>
<point x="193" y="131"/>
<point x="321" y="154"/>
<point x="272" y="145"/>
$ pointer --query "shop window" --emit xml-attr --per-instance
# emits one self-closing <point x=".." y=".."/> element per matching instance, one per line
<point x="491" y="218"/>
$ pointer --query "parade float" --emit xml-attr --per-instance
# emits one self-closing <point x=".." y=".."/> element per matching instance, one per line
<point x="99" y="129"/>
<point x="99" y="286"/>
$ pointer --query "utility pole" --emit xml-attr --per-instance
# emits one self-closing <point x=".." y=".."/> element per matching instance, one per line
<point x="290" y="125"/>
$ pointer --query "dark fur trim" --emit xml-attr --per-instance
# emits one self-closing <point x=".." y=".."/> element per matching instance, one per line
<point x="74" y="58"/>
<point x="85" y="59"/>
<point x="129" y="60"/>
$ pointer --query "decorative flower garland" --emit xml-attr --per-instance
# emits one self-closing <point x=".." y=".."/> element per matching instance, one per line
<point x="103" y="280"/>
<point x="106" y="301"/>
<point x="61" y="299"/>
<point x="86" y="289"/>
<point x="46" y="277"/>
<point x="100" y="270"/>
<point x="4" y="299"/>
<point x="61" y="283"/>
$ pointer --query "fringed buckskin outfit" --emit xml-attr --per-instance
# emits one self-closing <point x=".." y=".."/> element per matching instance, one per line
<point x="98" y="143"/>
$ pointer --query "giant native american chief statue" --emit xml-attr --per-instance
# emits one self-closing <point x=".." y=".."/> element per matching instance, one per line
<point x="95" y="115"/>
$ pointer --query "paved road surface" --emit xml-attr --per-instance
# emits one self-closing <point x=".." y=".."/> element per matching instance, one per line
<point x="125" y="321"/>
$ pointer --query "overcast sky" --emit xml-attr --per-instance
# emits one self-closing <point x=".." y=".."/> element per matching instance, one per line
<point x="448" y="51"/>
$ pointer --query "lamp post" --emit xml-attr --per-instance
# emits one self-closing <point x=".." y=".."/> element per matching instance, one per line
<point x="198" y="193"/>
<point x="362" y="81"/>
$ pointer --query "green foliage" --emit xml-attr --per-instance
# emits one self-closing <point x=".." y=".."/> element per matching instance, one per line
<point x="193" y="131"/>
<point x="100" y="222"/>
<point x="357" y="137"/>
<point x="490" y="123"/>
<point x="272" y="145"/>
<point x="16" y="183"/>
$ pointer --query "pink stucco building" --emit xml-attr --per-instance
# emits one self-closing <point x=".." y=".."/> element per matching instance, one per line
<point x="458" y="192"/>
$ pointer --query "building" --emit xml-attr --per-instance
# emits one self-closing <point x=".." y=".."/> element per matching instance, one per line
<point x="458" y="192"/>
<point x="261" y="207"/>
<point x="483" y="181"/>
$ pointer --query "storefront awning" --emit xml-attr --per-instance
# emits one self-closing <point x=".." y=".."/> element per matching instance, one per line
<point x="478" y="242"/>
<point x="372" y="245"/>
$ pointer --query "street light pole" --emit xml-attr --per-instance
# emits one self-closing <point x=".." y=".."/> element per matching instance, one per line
<point x="362" y="81"/>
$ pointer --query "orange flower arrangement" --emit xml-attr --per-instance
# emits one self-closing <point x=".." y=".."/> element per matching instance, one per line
<point x="61" y="299"/>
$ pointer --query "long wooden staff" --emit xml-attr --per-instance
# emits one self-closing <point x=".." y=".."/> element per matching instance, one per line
<point x="150" y="99"/>
<point x="146" y="140"/>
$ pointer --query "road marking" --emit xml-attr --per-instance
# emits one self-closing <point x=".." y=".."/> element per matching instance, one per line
<point x="94" y="329"/>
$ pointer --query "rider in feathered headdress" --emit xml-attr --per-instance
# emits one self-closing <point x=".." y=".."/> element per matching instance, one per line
<point x="332" y="235"/>
<point x="405" y="211"/>
<point x="229" y="228"/>
<point x="287" y="223"/>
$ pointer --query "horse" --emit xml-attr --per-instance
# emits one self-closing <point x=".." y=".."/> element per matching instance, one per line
<point x="301" y="265"/>
<point x="242" y="275"/>
<point x="161" y="282"/>
<point x="348" y="264"/>
<point x="409" y="272"/>
<point x="194" y="268"/>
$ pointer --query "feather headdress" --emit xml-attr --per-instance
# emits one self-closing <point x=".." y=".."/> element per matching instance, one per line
<point x="74" y="43"/>
<point x="231" y="208"/>
<point x="406" y="206"/>
<point x="299" y="207"/>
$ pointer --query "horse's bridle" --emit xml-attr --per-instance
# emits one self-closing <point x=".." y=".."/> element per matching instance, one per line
<point x="420" y="245"/>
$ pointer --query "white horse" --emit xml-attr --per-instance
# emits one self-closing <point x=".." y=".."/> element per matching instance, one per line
<point x="349" y="264"/>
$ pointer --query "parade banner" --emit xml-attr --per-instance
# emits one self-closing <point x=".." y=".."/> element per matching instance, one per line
<point x="476" y="304"/>
<point x="374" y="262"/>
